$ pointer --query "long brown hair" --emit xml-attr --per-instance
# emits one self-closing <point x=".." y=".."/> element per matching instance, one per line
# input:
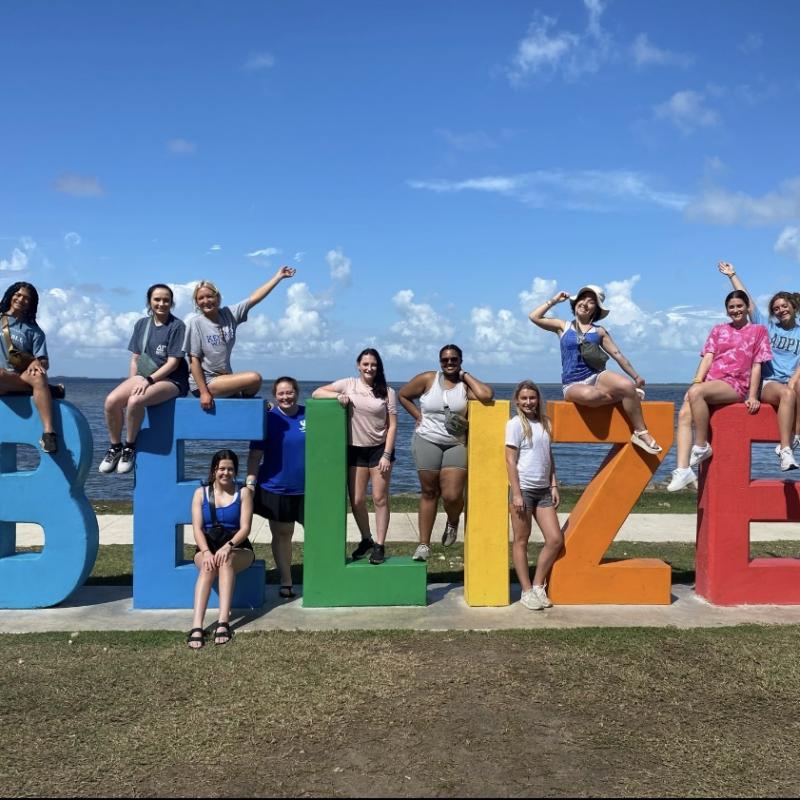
<point x="539" y="416"/>
<point x="792" y="298"/>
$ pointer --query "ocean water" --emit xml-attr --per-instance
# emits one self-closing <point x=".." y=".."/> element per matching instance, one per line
<point x="576" y="463"/>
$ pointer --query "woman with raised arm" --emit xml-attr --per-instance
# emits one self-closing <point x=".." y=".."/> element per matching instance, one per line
<point x="585" y="347"/>
<point x="534" y="493"/>
<point x="370" y="454"/>
<point x="276" y="474"/>
<point x="221" y="519"/>
<point x="729" y="372"/>
<point x="781" y="376"/>
<point x="157" y="373"/>
<point x="23" y="356"/>
<point x="210" y="338"/>
<point x="439" y="444"/>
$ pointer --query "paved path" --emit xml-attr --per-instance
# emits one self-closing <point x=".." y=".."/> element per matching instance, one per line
<point x="108" y="608"/>
<point x="118" y="529"/>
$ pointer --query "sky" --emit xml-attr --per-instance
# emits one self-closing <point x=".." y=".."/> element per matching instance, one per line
<point x="434" y="170"/>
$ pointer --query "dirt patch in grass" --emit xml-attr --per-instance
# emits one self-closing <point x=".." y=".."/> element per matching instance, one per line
<point x="529" y="713"/>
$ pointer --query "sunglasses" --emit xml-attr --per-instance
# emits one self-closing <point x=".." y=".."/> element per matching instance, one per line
<point x="451" y="360"/>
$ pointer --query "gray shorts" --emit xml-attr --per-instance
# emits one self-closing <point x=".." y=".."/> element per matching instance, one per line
<point x="537" y="498"/>
<point x="433" y="457"/>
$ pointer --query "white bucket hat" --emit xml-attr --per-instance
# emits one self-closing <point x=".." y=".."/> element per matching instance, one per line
<point x="598" y="293"/>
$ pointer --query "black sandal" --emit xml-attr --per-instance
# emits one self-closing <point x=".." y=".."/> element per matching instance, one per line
<point x="286" y="592"/>
<point x="196" y="635"/>
<point x="226" y="635"/>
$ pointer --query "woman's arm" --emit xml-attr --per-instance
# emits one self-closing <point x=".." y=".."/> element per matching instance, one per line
<point x="477" y="390"/>
<point x="223" y="555"/>
<point x="752" y="402"/>
<point x="259" y="294"/>
<point x="703" y="367"/>
<point x="513" y="478"/>
<point x="727" y="269"/>
<point x="206" y="398"/>
<point x="197" y="530"/>
<point x="169" y="366"/>
<point x="253" y="463"/>
<point x="385" y="463"/>
<point x="412" y="391"/>
<point x="329" y="392"/>
<point x="537" y="316"/>
<point x="610" y="346"/>
<point x="554" y="481"/>
<point x="134" y="365"/>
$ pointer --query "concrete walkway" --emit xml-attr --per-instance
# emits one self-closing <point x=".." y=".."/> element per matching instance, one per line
<point x="108" y="608"/>
<point x="118" y="529"/>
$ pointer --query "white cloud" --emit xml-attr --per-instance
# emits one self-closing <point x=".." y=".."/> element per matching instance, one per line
<point x="72" y="319"/>
<point x="265" y="252"/>
<point x="302" y="331"/>
<point x="595" y="190"/>
<point x="501" y="337"/>
<point x="72" y="239"/>
<point x="752" y="43"/>
<point x="17" y="262"/>
<point x="418" y="327"/>
<point x="546" y="50"/>
<point x="789" y="242"/>
<point x="722" y="207"/>
<point x="541" y="289"/>
<point x="298" y="257"/>
<point x="27" y="244"/>
<point x="339" y="264"/>
<point x="181" y="147"/>
<point x="687" y="111"/>
<point x="259" y="61"/>
<point x="646" y="53"/>
<point x="215" y="248"/>
<point x="79" y="185"/>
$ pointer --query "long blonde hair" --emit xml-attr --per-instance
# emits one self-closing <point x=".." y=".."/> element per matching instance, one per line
<point x="205" y="285"/>
<point x="539" y="416"/>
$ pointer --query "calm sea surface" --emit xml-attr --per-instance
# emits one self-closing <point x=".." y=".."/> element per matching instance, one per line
<point x="576" y="463"/>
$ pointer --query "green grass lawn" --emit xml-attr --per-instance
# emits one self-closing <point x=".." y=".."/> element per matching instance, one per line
<point x="652" y="501"/>
<point x="611" y="712"/>
<point x="446" y="565"/>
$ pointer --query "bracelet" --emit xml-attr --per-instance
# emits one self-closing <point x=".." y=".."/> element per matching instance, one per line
<point x="150" y="380"/>
<point x="697" y="380"/>
<point x="387" y="455"/>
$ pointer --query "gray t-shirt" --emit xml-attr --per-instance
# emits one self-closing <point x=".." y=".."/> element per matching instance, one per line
<point x="163" y="341"/>
<point x="27" y="336"/>
<point x="213" y="342"/>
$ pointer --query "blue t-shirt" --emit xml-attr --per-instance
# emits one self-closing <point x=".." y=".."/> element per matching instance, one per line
<point x="573" y="368"/>
<point x="785" y="348"/>
<point x="283" y="468"/>
<point x="163" y="341"/>
<point x="27" y="336"/>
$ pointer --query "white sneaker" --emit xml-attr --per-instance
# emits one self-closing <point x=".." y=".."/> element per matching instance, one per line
<point x="422" y="553"/>
<point x="681" y="478"/>
<point x="795" y="445"/>
<point x="699" y="455"/>
<point x="531" y="600"/>
<point x="541" y="593"/>
<point x="787" y="460"/>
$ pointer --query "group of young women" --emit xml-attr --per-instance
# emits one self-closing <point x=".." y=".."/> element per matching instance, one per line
<point x="750" y="359"/>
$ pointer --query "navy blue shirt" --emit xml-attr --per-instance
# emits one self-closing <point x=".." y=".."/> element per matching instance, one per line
<point x="283" y="468"/>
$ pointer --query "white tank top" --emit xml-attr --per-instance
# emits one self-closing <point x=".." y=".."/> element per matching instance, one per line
<point x="431" y="405"/>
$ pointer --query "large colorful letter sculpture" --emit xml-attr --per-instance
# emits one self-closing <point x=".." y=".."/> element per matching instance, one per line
<point x="579" y="576"/>
<point x="729" y="501"/>
<point x="162" y="578"/>
<point x="327" y="579"/>
<point x="51" y="496"/>
<point x="486" y="539"/>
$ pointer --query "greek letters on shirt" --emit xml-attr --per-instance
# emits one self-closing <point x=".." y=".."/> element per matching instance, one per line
<point x="785" y="343"/>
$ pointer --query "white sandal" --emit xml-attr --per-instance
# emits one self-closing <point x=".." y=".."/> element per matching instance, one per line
<point x="653" y="449"/>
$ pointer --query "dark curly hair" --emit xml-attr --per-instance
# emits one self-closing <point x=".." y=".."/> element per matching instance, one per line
<point x="379" y="388"/>
<point x="5" y="303"/>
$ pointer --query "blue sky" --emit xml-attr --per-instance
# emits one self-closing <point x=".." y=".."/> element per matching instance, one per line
<point x="433" y="169"/>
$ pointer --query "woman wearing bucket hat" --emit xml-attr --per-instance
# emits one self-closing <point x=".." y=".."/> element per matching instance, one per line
<point x="585" y="347"/>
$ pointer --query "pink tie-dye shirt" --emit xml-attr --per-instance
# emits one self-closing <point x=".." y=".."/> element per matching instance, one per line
<point x="735" y="351"/>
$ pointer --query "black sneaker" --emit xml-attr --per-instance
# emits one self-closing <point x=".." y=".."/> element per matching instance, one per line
<point x="112" y="456"/>
<point x="364" y="546"/>
<point x="126" y="460"/>
<point x="49" y="443"/>
<point x="378" y="554"/>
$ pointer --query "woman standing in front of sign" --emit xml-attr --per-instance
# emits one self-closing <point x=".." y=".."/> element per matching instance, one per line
<point x="534" y="493"/>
